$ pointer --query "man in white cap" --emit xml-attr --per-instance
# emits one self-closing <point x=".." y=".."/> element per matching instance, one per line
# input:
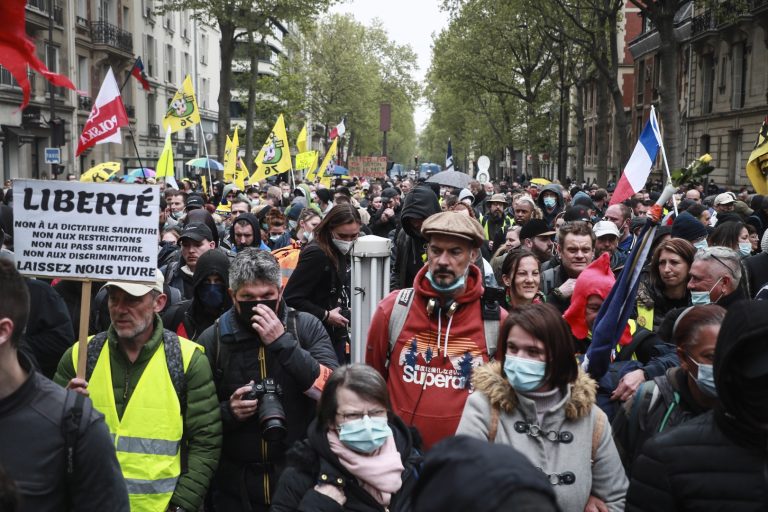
<point x="607" y="240"/>
<point x="157" y="394"/>
<point x="724" y="202"/>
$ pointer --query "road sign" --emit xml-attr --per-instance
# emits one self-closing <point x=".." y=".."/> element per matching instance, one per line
<point x="53" y="156"/>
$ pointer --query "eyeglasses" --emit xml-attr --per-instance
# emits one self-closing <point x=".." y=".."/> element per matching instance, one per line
<point x="730" y="270"/>
<point x="358" y="415"/>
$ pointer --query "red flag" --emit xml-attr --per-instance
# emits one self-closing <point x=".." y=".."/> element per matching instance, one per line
<point x="17" y="51"/>
<point x="138" y="73"/>
<point x="107" y="116"/>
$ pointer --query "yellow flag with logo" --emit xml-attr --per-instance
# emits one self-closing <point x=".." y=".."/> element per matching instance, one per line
<point x="275" y="156"/>
<point x="164" y="167"/>
<point x="757" y="165"/>
<point x="182" y="112"/>
<point x="204" y="183"/>
<point x="301" y="142"/>
<point x="230" y="158"/>
<point x="328" y="165"/>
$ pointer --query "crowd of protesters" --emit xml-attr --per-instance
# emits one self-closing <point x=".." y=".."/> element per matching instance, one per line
<point x="225" y="384"/>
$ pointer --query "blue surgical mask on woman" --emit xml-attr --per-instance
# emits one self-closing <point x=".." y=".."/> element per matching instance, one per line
<point x="524" y="374"/>
<point x="701" y="245"/>
<point x="364" y="435"/>
<point x="745" y="248"/>
<point x="706" y="378"/>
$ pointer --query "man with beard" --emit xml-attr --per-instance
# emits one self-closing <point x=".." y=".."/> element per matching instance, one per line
<point x="495" y="224"/>
<point x="537" y="237"/>
<point x="246" y="232"/>
<point x="576" y="246"/>
<point x="195" y="240"/>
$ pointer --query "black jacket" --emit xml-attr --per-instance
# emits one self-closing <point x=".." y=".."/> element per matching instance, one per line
<point x="757" y="271"/>
<point x="312" y="457"/>
<point x="716" y="461"/>
<point x="408" y="247"/>
<point x="294" y="364"/>
<point x="32" y="451"/>
<point x="315" y="287"/>
<point x="49" y="331"/>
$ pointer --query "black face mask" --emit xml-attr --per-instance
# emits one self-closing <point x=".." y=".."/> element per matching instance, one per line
<point x="246" y="310"/>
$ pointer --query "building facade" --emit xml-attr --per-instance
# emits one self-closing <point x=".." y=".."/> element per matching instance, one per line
<point x="89" y="37"/>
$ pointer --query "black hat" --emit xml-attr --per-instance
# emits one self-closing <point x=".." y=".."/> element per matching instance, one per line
<point x="688" y="227"/>
<point x="197" y="232"/>
<point x="389" y="193"/>
<point x="324" y="195"/>
<point x="294" y="211"/>
<point x="534" y="228"/>
<point x="577" y="212"/>
<point x="194" y="201"/>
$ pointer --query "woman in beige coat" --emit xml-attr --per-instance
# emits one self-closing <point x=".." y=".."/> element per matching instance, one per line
<point x="536" y="399"/>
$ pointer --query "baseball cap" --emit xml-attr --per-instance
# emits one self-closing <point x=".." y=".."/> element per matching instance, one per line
<point x="605" y="227"/>
<point x="197" y="232"/>
<point x="724" y="198"/>
<point x="577" y="212"/>
<point x="498" y="198"/>
<point x="194" y="201"/>
<point x="454" y="224"/>
<point x="534" y="228"/>
<point x="139" y="289"/>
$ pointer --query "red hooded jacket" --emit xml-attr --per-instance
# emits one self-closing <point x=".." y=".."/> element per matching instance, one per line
<point x="428" y="377"/>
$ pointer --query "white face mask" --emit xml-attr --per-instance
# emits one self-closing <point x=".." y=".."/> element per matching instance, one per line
<point x="343" y="246"/>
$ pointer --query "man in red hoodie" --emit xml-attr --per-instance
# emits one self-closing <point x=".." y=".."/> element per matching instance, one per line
<point x="442" y="334"/>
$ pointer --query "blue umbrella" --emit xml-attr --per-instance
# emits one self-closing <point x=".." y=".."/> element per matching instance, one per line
<point x="206" y="163"/>
<point x="340" y="171"/>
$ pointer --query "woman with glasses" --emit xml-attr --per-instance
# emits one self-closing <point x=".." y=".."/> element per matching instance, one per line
<point x="358" y="454"/>
<point x="320" y="284"/>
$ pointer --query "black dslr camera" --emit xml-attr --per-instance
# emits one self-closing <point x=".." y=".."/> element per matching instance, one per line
<point x="270" y="410"/>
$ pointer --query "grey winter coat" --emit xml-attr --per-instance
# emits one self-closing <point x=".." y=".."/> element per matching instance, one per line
<point x="576" y="414"/>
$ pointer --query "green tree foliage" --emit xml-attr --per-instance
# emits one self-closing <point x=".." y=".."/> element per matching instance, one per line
<point x="341" y="67"/>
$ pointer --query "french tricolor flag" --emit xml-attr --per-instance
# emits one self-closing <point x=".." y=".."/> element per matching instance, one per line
<point x="640" y="163"/>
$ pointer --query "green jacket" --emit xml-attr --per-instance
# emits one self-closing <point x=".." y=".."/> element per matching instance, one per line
<point x="202" y="421"/>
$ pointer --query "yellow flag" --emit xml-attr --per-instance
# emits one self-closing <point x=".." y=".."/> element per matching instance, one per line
<point x="329" y="162"/>
<point x="757" y="165"/>
<point x="230" y="158"/>
<point x="241" y="173"/>
<point x="306" y="160"/>
<point x="182" y="112"/>
<point x="275" y="157"/>
<point x="164" y="167"/>
<point x="301" y="142"/>
<point x="204" y="183"/>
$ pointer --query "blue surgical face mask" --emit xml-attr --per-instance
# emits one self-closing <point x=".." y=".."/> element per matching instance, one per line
<point x="292" y="224"/>
<point x="524" y="374"/>
<point x="275" y="238"/>
<point x="459" y="283"/>
<point x="701" y="245"/>
<point x="309" y="235"/>
<point x="702" y="298"/>
<point x="550" y="202"/>
<point x="705" y="380"/>
<point x="212" y="294"/>
<point x="745" y="248"/>
<point x="364" y="435"/>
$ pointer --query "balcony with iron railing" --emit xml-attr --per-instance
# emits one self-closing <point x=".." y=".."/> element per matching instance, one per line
<point x="6" y="79"/>
<point x="42" y="7"/>
<point x="104" y="33"/>
<point x="725" y="13"/>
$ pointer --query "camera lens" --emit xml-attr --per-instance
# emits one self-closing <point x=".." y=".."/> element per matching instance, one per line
<point x="272" y="418"/>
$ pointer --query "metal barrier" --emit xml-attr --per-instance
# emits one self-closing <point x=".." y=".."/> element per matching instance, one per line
<point x="370" y="284"/>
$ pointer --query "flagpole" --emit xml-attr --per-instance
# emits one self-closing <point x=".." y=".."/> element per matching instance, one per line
<point x="136" y="148"/>
<point x="664" y="158"/>
<point x="207" y="158"/>
<point x="128" y="77"/>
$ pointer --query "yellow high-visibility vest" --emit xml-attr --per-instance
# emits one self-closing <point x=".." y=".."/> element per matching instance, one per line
<point x="645" y="317"/>
<point x="148" y="437"/>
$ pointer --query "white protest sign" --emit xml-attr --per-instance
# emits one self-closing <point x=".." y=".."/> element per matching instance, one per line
<point x="483" y="163"/>
<point x="73" y="229"/>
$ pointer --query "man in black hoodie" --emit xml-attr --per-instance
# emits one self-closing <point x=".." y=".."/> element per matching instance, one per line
<point x="550" y="200"/>
<point x="210" y="280"/>
<point x="408" y="253"/>
<point x="718" y="459"/>
<point x="246" y="232"/>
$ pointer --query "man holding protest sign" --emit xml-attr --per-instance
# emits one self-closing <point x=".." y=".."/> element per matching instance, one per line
<point x="157" y="393"/>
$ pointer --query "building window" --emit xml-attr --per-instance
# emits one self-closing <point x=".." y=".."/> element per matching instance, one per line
<point x="203" y="48"/>
<point x="150" y="56"/>
<point x="704" y="144"/>
<point x="151" y="107"/>
<point x="83" y="74"/>
<point x="169" y="64"/>
<point x="739" y="74"/>
<point x="204" y="92"/>
<point x="707" y="82"/>
<point x="656" y="79"/>
<point x="640" y="82"/>
<point x="52" y="62"/>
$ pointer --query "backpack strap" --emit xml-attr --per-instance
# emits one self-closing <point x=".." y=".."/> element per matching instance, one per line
<point x="175" y="364"/>
<point x="493" y="426"/>
<point x="95" y="345"/>
<point x="643" y="400"/>
<point x="397" y="319"/>
<point x="491" y="313"/>
<point x="70" y="428"/>
<point x="597" y="432"/>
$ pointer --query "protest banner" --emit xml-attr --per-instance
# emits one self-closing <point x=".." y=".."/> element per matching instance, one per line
<point x="306" y="160"/>
<point x="86" y="231"/>
<point x="368" y="166"/>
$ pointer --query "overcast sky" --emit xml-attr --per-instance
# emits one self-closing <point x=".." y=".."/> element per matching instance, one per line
<point x="408" y="22"/>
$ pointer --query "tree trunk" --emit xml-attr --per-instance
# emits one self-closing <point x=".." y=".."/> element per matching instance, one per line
<point x="251" y="114"/>
<point x="602" y="129"/>
<point x="581" y="137"/>
<point x="669" y="95"/>
<point x="562" y="130"/>
<point x="227" y="46"/>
